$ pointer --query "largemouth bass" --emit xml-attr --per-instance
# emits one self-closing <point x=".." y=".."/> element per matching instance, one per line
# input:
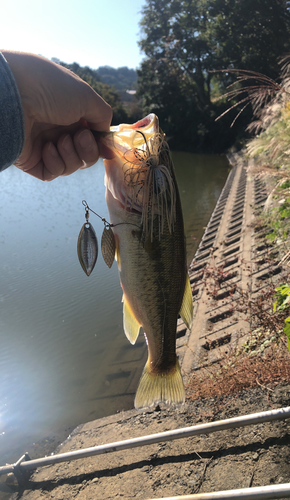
<point x="145" y="211"/>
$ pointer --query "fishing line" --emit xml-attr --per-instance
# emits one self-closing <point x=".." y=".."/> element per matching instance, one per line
<point x="107" y="224"/>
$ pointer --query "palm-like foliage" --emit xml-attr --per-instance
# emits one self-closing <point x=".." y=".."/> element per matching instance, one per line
<point x="273" y="122"/>
<point x="270" y="101"/>
<point x="258" y="94"/>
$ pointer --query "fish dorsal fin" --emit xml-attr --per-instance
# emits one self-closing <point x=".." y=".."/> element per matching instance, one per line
<point x="130" y="323"/>
<point x="186" y="311"/>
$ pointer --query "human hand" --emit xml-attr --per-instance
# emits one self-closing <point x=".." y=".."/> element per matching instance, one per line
<point x="59" y="108"/>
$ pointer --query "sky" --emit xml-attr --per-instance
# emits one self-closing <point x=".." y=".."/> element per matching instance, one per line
<point x="90" y="32"/>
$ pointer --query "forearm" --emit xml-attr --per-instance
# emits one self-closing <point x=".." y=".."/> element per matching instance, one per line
<point x="11" y="117"/>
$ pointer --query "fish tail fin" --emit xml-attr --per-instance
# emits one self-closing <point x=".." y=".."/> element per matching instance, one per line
<point x="155" y="388"/>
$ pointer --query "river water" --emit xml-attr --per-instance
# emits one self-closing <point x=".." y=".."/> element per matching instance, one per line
<point x="64" y="358"/>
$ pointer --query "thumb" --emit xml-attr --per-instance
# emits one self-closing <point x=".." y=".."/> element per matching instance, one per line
<point x="97" y="112"/>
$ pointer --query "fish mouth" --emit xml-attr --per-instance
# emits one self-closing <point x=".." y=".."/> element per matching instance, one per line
<point x="148" y="125"/>
<point x="126" y="137"/>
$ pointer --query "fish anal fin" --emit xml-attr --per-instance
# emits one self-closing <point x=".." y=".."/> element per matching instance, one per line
<point x="130" y="323"/>
<point x="186" y="311"/>
<point x="155" y="388"/>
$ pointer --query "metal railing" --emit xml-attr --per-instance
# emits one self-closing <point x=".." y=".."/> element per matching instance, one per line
<point x="257" y="493"/>
<point x="22" y="467"/>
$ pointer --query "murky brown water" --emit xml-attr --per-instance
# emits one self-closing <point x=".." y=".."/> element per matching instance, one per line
<point x="64" y="358"/>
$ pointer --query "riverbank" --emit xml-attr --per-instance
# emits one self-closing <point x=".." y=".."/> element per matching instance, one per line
<point x="253" y="456"/>
<point x="238" y="458"/>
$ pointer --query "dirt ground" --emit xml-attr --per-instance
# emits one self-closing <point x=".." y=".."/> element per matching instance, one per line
<point x="255" y="455"/>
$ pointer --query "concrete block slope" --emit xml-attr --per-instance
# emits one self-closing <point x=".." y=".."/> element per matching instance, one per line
<point x="231" y="257"/>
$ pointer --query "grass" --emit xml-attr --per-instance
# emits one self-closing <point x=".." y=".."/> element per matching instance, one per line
<point x="238" y="372"/>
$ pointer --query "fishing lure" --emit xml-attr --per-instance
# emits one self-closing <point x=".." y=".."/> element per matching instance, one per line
<point x="87" y="246"/>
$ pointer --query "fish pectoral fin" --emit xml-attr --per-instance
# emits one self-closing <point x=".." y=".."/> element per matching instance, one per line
<point x="160" y="387"/>
<point x="130" y="323"/>
<point x="186" y="311"/>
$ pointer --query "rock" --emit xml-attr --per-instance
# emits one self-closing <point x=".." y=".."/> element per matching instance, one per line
<point x="146" y="468"/>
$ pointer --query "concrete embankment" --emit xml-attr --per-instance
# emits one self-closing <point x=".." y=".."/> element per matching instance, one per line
<point x="236" y="254"/>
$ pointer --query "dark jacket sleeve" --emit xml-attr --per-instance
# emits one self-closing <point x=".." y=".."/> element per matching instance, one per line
<point x="11" y="117"/>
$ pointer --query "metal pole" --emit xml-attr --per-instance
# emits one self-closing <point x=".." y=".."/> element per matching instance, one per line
<point x="260" y="492"/>
<point x="254" y="418"/>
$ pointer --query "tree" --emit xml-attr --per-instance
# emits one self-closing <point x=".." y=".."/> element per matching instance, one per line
<point x="249" y="34"/>
<point x="121" y="78"/>
<point x="184" y="40"/>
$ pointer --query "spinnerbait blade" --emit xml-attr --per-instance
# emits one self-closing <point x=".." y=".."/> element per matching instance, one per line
<point x="87" y="248"/>
<point x="108" y="246"/>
